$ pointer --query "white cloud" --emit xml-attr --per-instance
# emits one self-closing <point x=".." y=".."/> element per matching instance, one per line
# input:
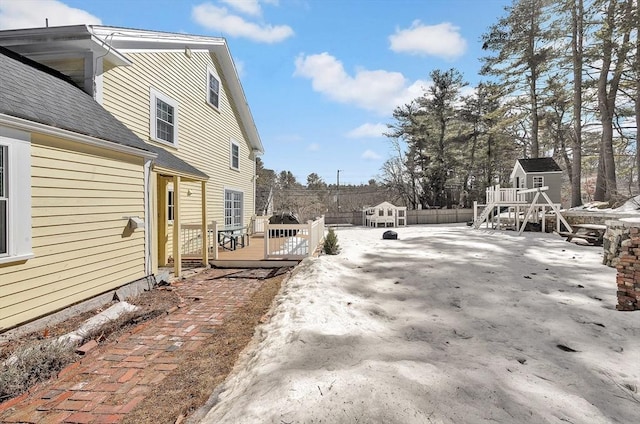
<point x="368" y="130"/>
<point x="442" y="40"/>
<point x="219" y="19"/>
<point x="29" y="14"/>
<point x="248" y="7"/>
<point x="313" y="147"/>
<point x="379" y="91"/>
<point x="370" y="155"/>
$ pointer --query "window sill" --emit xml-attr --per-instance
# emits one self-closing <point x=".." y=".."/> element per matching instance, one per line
<point x="214" y="107"/>
<point x="164" y="143"/>
<point x="16" y="258"/>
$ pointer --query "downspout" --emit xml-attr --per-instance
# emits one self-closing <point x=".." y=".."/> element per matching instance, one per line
<point x="148" y="228"/>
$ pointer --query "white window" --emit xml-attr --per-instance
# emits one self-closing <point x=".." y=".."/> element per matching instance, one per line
<point x="170" y="204"/>
<point x="4" y="199"/>
<point x="232" y="209"/>
<point x="164" y="118"/>
<point x="538" y="182"/>
<point x="234" y="155"/>
<point x="213" y="89"/>
<point x="15" y="196"/>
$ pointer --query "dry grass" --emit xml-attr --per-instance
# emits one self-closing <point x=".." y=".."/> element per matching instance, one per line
<point x="38" y="356"/>
<point x="189" y="386"/>
<point x="32" y="363"/>
<point x="182" y="392"/>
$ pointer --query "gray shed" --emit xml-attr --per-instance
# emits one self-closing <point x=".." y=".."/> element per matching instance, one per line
<point x="538" y="172"/>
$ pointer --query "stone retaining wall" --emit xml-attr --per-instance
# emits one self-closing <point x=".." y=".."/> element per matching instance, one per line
<point x="628" y="266"/>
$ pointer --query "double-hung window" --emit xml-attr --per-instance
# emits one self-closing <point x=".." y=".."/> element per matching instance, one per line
<point x="234" y="155"/>
<point x="232" y="209"/>
<point x="164" y="118"/>
<point x="15" y="196"/>
<point x="170" y="204"/>
<point x="213" y="89"/>
<point x="538" y="182"/>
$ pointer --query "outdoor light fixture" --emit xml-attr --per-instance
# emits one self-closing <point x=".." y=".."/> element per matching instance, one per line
<point x="134" y="222"/>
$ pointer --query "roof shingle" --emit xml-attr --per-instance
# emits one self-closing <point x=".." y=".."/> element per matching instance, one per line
<point x="539" y="165"/>
<point x="34" y="92"/>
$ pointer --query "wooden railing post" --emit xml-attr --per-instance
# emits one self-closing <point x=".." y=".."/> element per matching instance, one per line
<point x="205" y="234"/>
<point x="266" y="239"/>
<point x="214" y="240"/>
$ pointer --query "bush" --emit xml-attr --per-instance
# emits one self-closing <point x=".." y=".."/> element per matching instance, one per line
<point x="331" y="246"/>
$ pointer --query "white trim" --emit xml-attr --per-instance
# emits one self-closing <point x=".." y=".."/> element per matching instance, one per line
<point x="211" y="72"/>
<point x="154" y="96"/>
<point x="170" y="205"/>
<point x="16" y="258"/>
<point x="19" y="195"/>
<point x="224" y="206"/>
<point x="147" y="218"/>
<point x="129" y="40"/>
<point x="233" y="143"/>
<point x="533" y="181"/>
<point x="30" y="126"/>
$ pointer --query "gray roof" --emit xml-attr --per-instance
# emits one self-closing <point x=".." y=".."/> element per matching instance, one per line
<point x="539" y="165"/>
<point x="34" y="92"/>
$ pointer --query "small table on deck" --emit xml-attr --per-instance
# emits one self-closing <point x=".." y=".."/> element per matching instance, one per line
<point x="232" y="238"/>
<point x="592" y="233"/>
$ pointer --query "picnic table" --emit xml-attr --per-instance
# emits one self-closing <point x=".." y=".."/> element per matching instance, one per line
<point x="232" y="238"/>
<point x="591" y="233"/>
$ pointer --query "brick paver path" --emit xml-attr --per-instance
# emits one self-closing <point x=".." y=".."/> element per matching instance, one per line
<point x="111" y="380"/>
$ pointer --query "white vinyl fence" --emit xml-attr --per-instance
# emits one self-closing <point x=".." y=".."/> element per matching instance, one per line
<point x="292" y="241"/>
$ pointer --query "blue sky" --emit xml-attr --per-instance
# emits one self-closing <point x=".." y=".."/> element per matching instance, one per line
<point x="322" y="77"/>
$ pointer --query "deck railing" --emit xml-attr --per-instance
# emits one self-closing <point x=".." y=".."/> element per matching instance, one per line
<point x="258" y="223"/>
<point x="497" y="194"/>
<point x="191" y="239"/>
<point x="292" y="241"/>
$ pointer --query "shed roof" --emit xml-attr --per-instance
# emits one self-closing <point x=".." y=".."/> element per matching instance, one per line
<point x="539" y="165"/>
<point x="36" y="93"/>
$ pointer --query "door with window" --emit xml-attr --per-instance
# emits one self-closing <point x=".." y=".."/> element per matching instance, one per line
<point x="233" y="205"/>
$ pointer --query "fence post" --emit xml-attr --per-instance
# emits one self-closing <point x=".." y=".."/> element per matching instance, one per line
<point x="214" y="240"/>
<point x="266" y="239"/>
<point x="311" y="239"/>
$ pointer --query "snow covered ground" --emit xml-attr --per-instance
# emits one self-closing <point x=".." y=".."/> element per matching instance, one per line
<point x="445" y="325"/>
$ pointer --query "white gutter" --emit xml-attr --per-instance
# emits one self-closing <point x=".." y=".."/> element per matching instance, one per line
<point x="147" y="218"/>
<point x="26" y="125"/>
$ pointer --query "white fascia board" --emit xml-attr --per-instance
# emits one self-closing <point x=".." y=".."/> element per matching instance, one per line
<point x="30" y="126"/>
<point x="44" y="42"/>
<point x="515" y="168"/>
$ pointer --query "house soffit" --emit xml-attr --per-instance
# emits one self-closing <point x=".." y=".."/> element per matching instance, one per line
<point x="60" y="42"/>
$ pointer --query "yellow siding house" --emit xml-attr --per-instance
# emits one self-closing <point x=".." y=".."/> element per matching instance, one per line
<point x="181" y="94"/>
<point x="71" y="176"/>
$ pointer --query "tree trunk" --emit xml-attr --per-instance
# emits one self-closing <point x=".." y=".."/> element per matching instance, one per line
<point x="577" y="13"/>
<point x="533" y="67"/>
<point x="601" y="189"/>
<point x="607" y="90"/>
<point x="637" y="65"/>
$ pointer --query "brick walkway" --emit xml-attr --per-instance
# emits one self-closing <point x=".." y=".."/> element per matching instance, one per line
<point x="111" y="380"/>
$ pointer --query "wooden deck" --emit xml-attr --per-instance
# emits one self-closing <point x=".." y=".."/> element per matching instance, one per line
<point x="253" y="252"/>
<point x="251" y="256"/>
